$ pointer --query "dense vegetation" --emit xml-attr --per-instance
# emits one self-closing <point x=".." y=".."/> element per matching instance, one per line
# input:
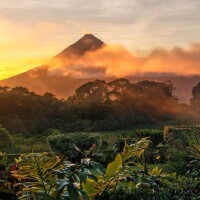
<point x="132" y="159"/>
<point x="96" y="106"/>
<point x="128" y="176"/>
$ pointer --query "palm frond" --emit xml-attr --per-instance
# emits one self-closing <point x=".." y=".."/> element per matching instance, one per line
<point x="36" y="174"/>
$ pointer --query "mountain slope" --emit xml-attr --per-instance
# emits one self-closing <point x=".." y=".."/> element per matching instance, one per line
<point x="87" y="43"/>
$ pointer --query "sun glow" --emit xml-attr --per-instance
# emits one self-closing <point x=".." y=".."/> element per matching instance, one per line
<point x="16" y="66"/>
<point x="23" y="47"/>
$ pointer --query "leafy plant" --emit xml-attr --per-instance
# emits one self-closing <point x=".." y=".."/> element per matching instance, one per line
<point x="40" y="176"/>
<point x="64" y="144"/>
<point x="7" y="165"/>
<point x="195" y="149"/>
<point x="119" y="173"/>
<point x="194" y="165"/>
<point x="36" y="176"/>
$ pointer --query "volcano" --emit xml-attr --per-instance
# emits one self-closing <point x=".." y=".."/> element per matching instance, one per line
<point x="39" y="81"/>
<point x="49" y="77"/>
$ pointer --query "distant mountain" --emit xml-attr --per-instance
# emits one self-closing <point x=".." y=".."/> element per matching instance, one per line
<point x="40" y="81"/>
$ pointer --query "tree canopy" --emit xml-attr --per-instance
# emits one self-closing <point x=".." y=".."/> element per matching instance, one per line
<point x="95" y="106"/>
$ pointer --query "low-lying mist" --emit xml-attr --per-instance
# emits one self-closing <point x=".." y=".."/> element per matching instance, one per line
<point x="116" y="61"/>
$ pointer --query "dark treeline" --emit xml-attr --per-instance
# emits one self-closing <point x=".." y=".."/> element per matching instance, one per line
<point x="95" y="106"/>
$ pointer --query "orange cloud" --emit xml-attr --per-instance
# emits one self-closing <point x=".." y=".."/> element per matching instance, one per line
<point x="116" y="61"/>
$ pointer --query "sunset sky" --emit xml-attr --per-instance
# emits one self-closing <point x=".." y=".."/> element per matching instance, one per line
<point x="32" y="31"/>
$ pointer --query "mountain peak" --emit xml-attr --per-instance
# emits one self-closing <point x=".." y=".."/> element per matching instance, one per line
<point x="89" y="36"/>
<point x="87" y="43"/>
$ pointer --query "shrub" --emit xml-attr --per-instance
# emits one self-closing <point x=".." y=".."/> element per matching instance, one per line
<point x="105" y="156"/>
<point x="172" y="134"/>
<point x="157" y="148"/>
<point x="41" y="176"/>
<point x="166" y="194"/>
<point x="6" y="140"/>
<point x="169" y="186"/>
<point x="177" y="161"/>
<point x="156" y="136"/>
<point x="7" y="165"/>
<point x="35" y="175"/>
<point x="178" y="139"/>
<point x="65" y="144"/>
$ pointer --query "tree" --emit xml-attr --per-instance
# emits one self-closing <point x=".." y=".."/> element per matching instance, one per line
<point x="6" y="140"/>
<point x="92" y="92"/>
<point x="195" y="101"/>
<point x="196" y="90"/>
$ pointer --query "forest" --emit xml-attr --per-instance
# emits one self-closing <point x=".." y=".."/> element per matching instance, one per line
<point x="96" y="106"/>
<point x="115" y="140"/>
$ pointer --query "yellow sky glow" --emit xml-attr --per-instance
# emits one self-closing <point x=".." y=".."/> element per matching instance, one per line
<point x="23" y="47"/>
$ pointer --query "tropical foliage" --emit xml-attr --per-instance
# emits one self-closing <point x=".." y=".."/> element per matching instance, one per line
<point x="44" y="176"/>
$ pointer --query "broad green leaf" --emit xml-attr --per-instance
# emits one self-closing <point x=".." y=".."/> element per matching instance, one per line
<point x="73" y="192"/>
<point x="82" y="176"/>
<point x="155" y="171"/>
<point x="62" y="183"/>
<point x="114" y="166"/>
<point x="89" y="187"/>
<point x="17" y="161"/>
<point x="134" y="150"/>
<point x="83" y="194"/>
<point x="93" y="177"/>
<point x="98" y="167"/>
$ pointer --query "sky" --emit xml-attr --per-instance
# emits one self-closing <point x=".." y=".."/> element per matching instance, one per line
<point x="32" y="31"/>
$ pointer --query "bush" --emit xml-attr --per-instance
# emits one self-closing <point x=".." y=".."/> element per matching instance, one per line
<point x="105" y="156"/>
<point x="177" y="161"/>
<point x="64" y="144"/>
<point x="5" y="140"/>
<point x="178" y="139"/>
<point x="166" y="194"/>
<point x="156" y="136"/>
<point x="173" y="134"/>
<point x="156" y="151"/>
<point x="171" y="187"/>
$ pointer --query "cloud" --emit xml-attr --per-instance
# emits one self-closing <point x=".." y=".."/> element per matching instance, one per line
<point x="133" y="23"/>
<point x="116" y="61"/>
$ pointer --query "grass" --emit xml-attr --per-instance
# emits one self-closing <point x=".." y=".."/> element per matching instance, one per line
<point x="29" y="144"/>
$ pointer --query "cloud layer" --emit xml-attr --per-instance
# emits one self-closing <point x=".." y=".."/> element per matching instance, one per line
<point x="133" y="23"/>
<point x="116" y="61"/>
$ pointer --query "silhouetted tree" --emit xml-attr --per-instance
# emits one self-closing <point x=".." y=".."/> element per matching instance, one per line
<point x="195" y="101"/>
